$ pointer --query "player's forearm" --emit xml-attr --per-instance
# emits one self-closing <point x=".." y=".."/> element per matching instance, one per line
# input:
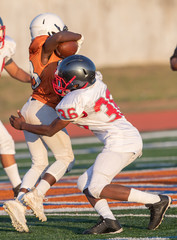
<point x="22" y="76"/>
<point x="17" y="73"/>
<point x="69" y="36"/>
<point x="64" y="36"/>
<point x="46" y="130"/>
<point x="38" y="129"/>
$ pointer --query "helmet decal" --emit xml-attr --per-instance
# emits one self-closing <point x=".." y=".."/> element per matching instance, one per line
<point x="65" y="28"/>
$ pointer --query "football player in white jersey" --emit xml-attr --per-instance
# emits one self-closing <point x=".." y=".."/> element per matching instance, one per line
<point x="7" y="147"/>
<point x="87" y="102"/>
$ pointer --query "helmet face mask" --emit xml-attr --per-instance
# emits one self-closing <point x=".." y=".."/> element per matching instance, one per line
<point x="74" y="72"/>
<point x="2" y="33"/>
<point x="46" y="24"/>
<point x="60" y="86"/>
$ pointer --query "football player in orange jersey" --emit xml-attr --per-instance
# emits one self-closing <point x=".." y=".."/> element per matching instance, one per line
<point x="7" y="146"/>
<point x="47" y="31"/>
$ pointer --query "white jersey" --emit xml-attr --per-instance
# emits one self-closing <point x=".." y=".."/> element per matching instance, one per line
<point x="7" y="51"/>
<point x="6" y="142"/>
<point x="94" y="108"/>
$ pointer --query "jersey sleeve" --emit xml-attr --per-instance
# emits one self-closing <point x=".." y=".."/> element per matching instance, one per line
<point x="11" y="48"/>
<point x="36" y="44"/>
<point x="70" y="108"/>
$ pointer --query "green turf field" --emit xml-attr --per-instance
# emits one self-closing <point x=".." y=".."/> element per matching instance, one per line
<point x="160" y="153"/>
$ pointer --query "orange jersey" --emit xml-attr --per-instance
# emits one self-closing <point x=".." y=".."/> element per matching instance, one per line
<point x="42" y="75"/>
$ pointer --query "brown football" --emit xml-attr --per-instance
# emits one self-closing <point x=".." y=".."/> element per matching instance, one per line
<point x="66" y="49"/>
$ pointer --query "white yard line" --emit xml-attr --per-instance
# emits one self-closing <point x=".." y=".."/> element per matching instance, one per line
<point x="83" y="140"/>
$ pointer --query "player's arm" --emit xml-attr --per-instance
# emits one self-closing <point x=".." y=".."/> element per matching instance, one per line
<point x="52" y="42"/>
<point x="16" y="72"/>
<point x="47" y="130"/>
<point x="173" y="60"/>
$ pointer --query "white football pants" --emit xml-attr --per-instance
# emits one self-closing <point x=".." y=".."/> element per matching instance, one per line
<point x="106" y="166"/>
<point x="7" y="145"/>
<point x="35" y="112"/>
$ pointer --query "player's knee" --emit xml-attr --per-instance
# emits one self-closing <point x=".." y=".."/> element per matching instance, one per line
<point x="82" y="182"/>
<point x="94" y="191"/>
<point x="57" y="169"/>
<point x="70" y="166"/>
<point x="39" y="168"/>
<point x="67" y="157"/>
<point x="97" y="184"/>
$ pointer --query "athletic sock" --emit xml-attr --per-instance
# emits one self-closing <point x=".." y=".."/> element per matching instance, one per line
<point x="103" y="209"/>
<point x="43" y="187"/>
<point x="20" y="196"/>
<point x="13" y="175"/>
<point x="142" y="197"/>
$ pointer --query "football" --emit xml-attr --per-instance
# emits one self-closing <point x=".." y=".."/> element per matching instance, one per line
<point x="66" y="49"/>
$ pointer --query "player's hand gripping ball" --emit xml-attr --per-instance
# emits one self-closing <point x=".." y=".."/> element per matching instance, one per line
<point x="66" y="49"/>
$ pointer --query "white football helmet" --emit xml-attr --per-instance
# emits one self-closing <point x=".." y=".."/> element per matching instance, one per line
<point x="46" y="24"/>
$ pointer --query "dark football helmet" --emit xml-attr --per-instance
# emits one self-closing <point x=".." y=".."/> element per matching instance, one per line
<point x="74" y="72"/>
<point x="2" y="33"/>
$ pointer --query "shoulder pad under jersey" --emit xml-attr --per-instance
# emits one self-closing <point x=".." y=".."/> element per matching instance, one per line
<point x="99" y="76"/>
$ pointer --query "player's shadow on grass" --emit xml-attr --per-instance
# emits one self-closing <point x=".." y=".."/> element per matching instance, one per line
<point x="134" y="223"/>
<point x="79" y="225"/>
<point x="74" y="224"/>
<point x="6" y="225"/>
